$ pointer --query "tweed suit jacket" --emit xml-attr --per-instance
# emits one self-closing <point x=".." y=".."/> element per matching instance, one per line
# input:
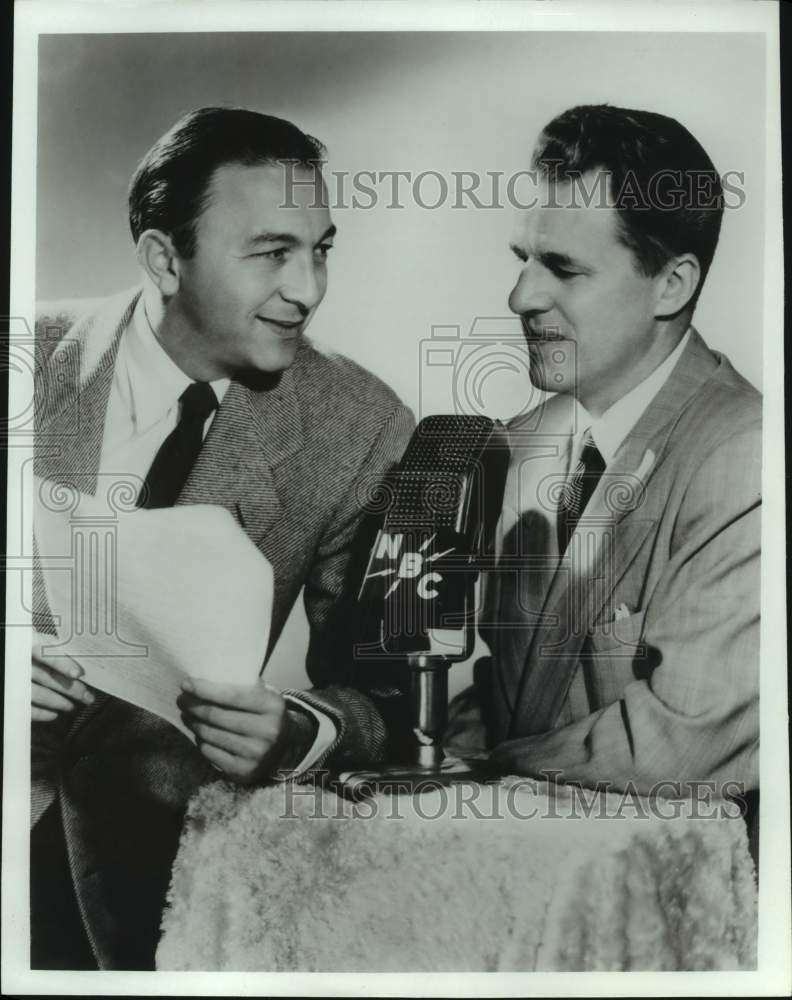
<point x="293" y="458"/>
<point x="665" y="690"/>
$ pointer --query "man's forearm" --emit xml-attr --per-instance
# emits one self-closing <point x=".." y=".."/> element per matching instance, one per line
<point x="638" y="743"/>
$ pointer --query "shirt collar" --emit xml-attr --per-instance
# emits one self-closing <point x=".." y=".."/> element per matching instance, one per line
<point x="155" y="381"/>
<point x="610" y="430"/>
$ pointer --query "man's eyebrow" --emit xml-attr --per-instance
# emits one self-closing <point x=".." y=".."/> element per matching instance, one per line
<point x="289" y="239"/>
<point x="550" y="258"/>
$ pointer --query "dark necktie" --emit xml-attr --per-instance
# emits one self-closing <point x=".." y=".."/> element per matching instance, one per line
<point x="179" y="450"/>
<point x="578" y="489"/>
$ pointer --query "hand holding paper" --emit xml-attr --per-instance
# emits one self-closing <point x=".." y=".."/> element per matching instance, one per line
<point x="239" y="729"/>
<point x="144" y="599"/>
<point x="56" y="687"/>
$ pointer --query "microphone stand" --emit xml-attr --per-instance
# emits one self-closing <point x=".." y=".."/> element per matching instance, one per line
<point x="429" y="766"/>
<point x="428" y="708"/>
<point x="450" y="485"/>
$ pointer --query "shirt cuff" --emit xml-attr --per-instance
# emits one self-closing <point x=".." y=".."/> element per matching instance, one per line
<point x="326" y="734"/>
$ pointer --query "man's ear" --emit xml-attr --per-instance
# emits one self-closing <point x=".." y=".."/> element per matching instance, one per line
<point x="158" y="258"/>
<point x="676" y="285"/>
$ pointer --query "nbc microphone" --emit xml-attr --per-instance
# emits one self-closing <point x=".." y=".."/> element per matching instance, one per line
<point x="418" y="592"/>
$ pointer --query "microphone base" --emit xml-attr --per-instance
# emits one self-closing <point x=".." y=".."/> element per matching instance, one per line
<point x="412" y="779"/>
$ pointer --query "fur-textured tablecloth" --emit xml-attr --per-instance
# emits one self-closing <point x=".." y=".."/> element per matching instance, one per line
<point x="263" y="881"/>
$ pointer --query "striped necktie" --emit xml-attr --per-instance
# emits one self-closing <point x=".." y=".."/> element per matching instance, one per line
<point x="578" y="489"/>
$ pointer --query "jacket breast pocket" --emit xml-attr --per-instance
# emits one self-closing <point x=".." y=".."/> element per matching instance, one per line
<point x="614" y="656"/>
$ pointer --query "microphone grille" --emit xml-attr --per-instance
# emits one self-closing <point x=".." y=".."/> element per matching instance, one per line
<point x="436" y="467"/>
<point x="447" y="443"/>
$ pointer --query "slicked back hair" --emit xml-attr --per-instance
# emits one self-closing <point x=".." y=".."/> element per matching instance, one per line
<point x="170" y="186"/>
<point x="664" y="186"/>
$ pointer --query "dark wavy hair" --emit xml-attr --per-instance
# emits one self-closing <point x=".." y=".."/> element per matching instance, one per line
<point x="665" y="188"/>
<point x="169" y="188"/>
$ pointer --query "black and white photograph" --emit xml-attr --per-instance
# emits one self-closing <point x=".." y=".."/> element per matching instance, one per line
<point x="395" y="564"/>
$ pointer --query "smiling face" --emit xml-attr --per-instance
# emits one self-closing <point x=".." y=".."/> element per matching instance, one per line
<point x="258" y="273"/>
<point x="587" y="311"/>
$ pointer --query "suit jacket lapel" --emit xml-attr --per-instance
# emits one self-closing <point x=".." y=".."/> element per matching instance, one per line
<point x="528" y="549"/>
<point x="256" y="428"/>
<point x="72" y="392"/>
<point x="603" y="547"/>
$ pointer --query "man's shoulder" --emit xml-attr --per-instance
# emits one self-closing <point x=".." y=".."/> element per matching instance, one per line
<point x="331" y="384"/>
<point x="60" y="315"/>
<point x="87" y="320"/>
<point x="725" y="406"/>
<point x="54" y="320"/>
<point x="715" y="447"/>
<point x="346" y="413"/>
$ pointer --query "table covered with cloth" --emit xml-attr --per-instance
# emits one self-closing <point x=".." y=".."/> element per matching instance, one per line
<point x="513" y="876"/>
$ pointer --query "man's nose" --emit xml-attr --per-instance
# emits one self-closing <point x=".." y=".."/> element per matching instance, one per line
<point x="302" y="285"/>
<point x="531" y="294"/>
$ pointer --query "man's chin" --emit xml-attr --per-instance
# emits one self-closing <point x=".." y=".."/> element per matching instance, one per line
<point x="277" y="357"/>
<point x="547" y="377"/>
<point x="265" y="370"/>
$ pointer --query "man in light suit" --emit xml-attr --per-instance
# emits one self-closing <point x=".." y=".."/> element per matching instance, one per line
<point x="201" y="388"/>
<point x="623" y="613"/>
<point x="623" y="617"/>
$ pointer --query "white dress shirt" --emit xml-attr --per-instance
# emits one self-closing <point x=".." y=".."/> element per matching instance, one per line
<point x="143" y="407"/>
<point x="608" y="433"/>
<point x="142" y="410"/>
<point x="612" y="427"/>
